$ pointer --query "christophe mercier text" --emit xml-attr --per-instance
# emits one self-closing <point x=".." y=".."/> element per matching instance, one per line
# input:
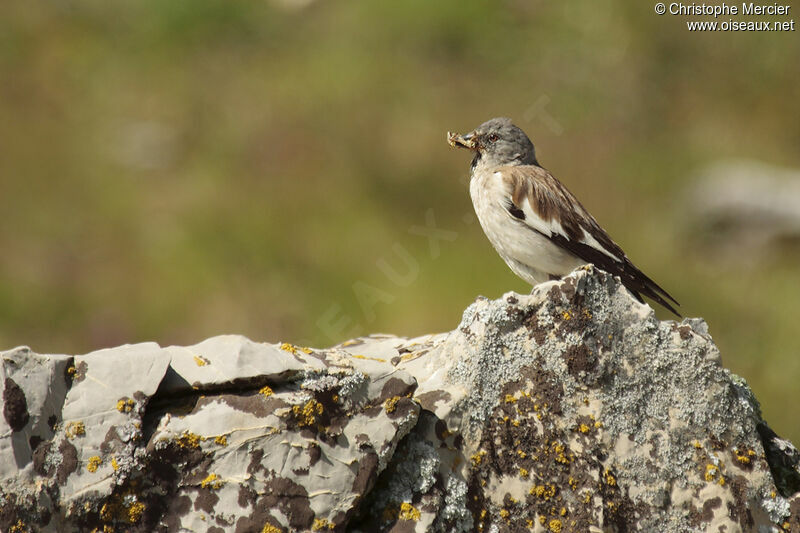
<point x="724" y="9"/>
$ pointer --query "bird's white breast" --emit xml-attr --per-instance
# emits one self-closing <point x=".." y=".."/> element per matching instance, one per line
<point x="531" y="255"/>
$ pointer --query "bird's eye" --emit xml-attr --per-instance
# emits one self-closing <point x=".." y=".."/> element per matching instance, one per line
<point x="492" y="137"/>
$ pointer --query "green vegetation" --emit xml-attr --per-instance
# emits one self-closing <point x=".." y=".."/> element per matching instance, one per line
<point x="175" y="170"/>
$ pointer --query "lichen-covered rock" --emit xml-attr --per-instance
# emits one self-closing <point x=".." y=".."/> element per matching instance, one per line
<point x="570" y="409"/>
<point x="224" y="435"/>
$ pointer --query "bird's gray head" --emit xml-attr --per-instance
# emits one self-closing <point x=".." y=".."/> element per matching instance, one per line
<point x="496" y="142"/>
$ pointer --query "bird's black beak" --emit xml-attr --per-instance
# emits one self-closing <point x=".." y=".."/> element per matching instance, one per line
<point x="468" y="141"/>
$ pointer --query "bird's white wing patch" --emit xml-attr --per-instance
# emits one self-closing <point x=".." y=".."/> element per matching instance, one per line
<point x="553" y="227"/>
<point x="589" y="240"/>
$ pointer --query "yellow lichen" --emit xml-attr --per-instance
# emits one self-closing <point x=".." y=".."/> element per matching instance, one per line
<point x="744" y="457"/>
<point x="587" y="497"/>
<point x="321" y="524"/>
<point x="391" y="404"/>
<point x="71" y="370"/>
<point x="294" y="349"/>
<point x="114" y="464"/>
<point x="135" y="512"/>
<point x="75" y="429"/>
<point x="598" y="424"/>
<point x="555" y="525"/>
<point x="200" y="360"/>
<point x="19" y="527"/>
<point x="265" y="391"/>
<point x="408" y="512"/>
<point x="504" y="513"/>
<point x="542" y="519"/>
<point x="221" y="440"/>
<point x="212" y="481"/>
<point x="477" y="459"/>
<point x="523" y="473"/>
<point x="123" y="507"/>
<point x="583" y="428"/>
<point x="286" y="347"/>
<point x="560" y="456"/>
<point x="94" y="462"/>
<point x="609" y="478"/>
<point x="711" y="472"/>
<point x="697" y="444"/>
<point x="566" y="315"/>
<point x="269" y="528"/>
<point x="510" y="398"/>
<point x="515" y="423"/>
<point x="541" y="491"/>
<point x="125" y="406"/>
<point x="187" y="439"/>
<point x="368" y="358"/>
<point x="106" y="514"/>
<point x="306" y="414"/>
<point x="563" y="511"/>
<point x="522" y="454"/>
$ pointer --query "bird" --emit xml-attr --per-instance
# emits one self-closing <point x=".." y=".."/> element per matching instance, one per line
<point x="535" y="223"/>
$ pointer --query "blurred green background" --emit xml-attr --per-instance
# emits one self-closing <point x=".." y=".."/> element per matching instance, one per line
<point x="175" y="170"/>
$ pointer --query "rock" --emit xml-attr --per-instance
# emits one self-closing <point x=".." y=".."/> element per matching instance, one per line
<point x="570" y="409"/>
<point x="736" y="204"/>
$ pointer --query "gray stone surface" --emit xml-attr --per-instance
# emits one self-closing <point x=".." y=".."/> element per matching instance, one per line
<point x="570" y="409"/>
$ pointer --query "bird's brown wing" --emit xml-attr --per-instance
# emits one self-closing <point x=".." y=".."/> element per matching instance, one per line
<point x="542" y="203"/>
